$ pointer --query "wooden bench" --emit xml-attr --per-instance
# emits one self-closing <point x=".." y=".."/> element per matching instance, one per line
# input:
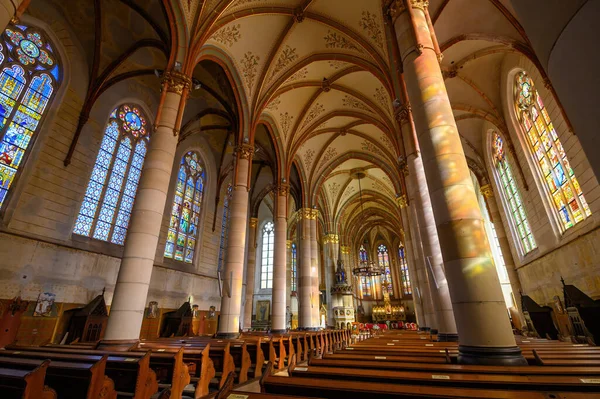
<point x="25" y="384"/>
<point x="132" y="376"/>
<point x="70" y="380"/>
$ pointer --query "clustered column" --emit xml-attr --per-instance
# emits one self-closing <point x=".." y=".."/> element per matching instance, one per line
<point x="485" y="334"/>
<point x="305" y="280"/>
<point x="133" y="281"/>
<point x="231" y="302"/>
<point x="314" y="268"/>
<point x="250" y="275"/>
<point x="331" y="244"/>
<point x="279" y="273"/>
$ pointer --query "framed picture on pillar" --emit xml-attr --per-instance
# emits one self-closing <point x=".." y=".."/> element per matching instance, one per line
<point x="263" y="311"/>
<point x="43" y="307"/>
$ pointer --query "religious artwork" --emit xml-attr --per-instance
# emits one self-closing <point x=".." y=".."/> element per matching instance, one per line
<point x="28" y="79"/>
<point x="152" y="310"/>
<point x="548" y="152"/>
<point x="384" y="262"/>
<point x="511" y="195"/>
<point x="294" y="277"/>
<point x="106" y="207"/>
<point x="185" y="212"/>
<point x="43" y="307"/>
<point x="263" y="311"/>
<point x="212" y="313"/>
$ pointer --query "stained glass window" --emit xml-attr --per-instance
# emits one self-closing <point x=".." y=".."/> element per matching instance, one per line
<point x="548" y="152"/>
<point x="366" y="285"/>
<point x="511" y="195"/>
<point x="406" y="285"/>
<point x="384" y="261"/>
<point x="224" y="224"/>
<point x="294" y="268"/>
<point x="106" y="206"/>
<point x="29" y="76"/>
<point x="362" y="253"/>
<point x="268" y="245"/>
<point x="185" y="214"/>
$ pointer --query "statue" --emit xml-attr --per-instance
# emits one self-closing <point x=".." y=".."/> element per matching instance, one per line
<point x="340" y="273"/>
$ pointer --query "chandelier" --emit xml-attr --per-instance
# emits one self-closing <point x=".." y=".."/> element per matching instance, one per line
<point x="365" y="268"/>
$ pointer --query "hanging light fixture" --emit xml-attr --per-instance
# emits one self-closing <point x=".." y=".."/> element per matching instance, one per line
<point x="365" y="268"/>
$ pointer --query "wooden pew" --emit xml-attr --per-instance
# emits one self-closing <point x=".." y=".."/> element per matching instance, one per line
<point x="132" y="376"/>
<point x="25" y="384"/>
<point x="342" y="389"/>
<point x="227" y="390"/>
<point x="70" y="380"/>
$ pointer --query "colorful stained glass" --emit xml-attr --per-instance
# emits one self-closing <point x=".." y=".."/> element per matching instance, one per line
<point x="106" y="207"/>
<point x="366" y="285"/>
<point x="185" y="213"/>
<point x="384" y="262"/>
<point x="25" y="91"/>
<point x="362" y="252"/>
<point x="512" y="196"/>
<point x="406" y="284"/>
<point x="268" y="247"/>
<point x="558" y="175"/>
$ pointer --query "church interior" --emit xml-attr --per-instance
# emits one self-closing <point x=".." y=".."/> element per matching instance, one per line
<point x="299" y="198"/>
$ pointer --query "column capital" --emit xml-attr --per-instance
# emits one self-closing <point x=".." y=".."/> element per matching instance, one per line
<point x="487" y="191"/>
<point x="314" y="214"/>
<point x="345" y="249"/>
<point x="175" y="82"/>
<point x="402" y="112"/>
<point x="305" y="213"/>
<point x="397" y="6"/>
<point x="283" y="189"/>
<point x="402" y="201"/>
<point x="288" y="244"/>
<point x="245" y="151"/>
<point x="331" y="239"/>
<point x="253" y="222"/>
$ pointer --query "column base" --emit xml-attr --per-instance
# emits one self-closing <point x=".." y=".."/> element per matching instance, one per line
<point x="489" y="356"/>
<point x="309" y="328"/>
<point x="117" y="345"/>
<point x="424" y="328"/>
<point x="283" y="331"/>
<point x="433" y="331"/>
<point x="225" y="335"/>
<point x="447" y="337"/>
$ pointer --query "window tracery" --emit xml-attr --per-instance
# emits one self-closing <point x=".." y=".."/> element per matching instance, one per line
<point x="106" y="207"/>
<point x="268" y="246"/>
<point x="294" y="268"/>
<point x="384" y="261"/>
<point x="29" y="77"/>
<point x="549" y="154"/>
<point x="185" y="213"/>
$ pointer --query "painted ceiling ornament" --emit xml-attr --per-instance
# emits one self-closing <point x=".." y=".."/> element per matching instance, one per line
<point x="228" y="35"/>
<point x="326" y="85"/>
<point x="314" y="112"/>
<point x="335" y="40"/>
<point x="250" y="69"/>
<point x="286" y="123"/>
<point x="287" y="56"/>
<point x="299" y="14"/>
<point x="369" y="23"/>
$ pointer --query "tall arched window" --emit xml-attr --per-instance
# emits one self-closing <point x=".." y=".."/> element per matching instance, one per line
<point x="185" y="214"/>
<point x="406" y="285"/>
<point x="384" y="261"/>
<point x="511" y="195"/>
<point x="224" y="225"/>
<point x="365" y="282"/>
<point x="549" y="154"/>
<point x="29" y="77"/>
<point x="268" y="245"/>
<point x="294" y="268"/>
<point x="106" y="206"/>
<point x="362" y="254"/>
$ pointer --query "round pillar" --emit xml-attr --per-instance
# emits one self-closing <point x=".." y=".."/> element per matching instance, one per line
<point x="485" y="334"/>
<point x="250" y="275"/>
<point x="305" y="281"/>
<point x="314" y="269"/>
<point x="280" y="268"/>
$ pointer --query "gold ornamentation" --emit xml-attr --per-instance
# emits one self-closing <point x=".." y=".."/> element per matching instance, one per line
<point x="253" y="222"/>
<point x="175" y="82"/>
<point x="245" y="151"/>
<point x="487" y="191"/>
<point x="314" y="214"/>
<point x="288" y="244"/>
<point x="331" y="239"/>
<point x="402" y="201"/>
<point x="397" y="6"/>
<point x="306" y="213"/>
<point x="283" y="189"/>
<point x="345" y="250"/>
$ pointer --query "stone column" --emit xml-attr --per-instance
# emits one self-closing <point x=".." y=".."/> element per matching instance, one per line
<point x="314" y="268"/>
<point x="250" y="275"/>
<point x="410" y="261"/>
<point x="488" y="193"/>
<point x="305" y="280"/>
<point x="279" y="261"/>
<point x="331" y="244"/>
<point x="231" y="302"/>
<point x="485" y="334"/>
<point x="8" y="11"/>
<point x="133" y="281"/>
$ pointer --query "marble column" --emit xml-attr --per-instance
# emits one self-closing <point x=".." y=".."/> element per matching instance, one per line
<point x="8" y="11"/>
<point x="410" y="261"/>
<point x="485" y="334"/>
<point x="305" y="280"/>
<point x="231" y="302"/>
<point x="279" y="260"/>
<point x="488" y="193"/>
<point x="133" y="281"/>
<point x="314" y="268"/>
<point x="250" y="275"/>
